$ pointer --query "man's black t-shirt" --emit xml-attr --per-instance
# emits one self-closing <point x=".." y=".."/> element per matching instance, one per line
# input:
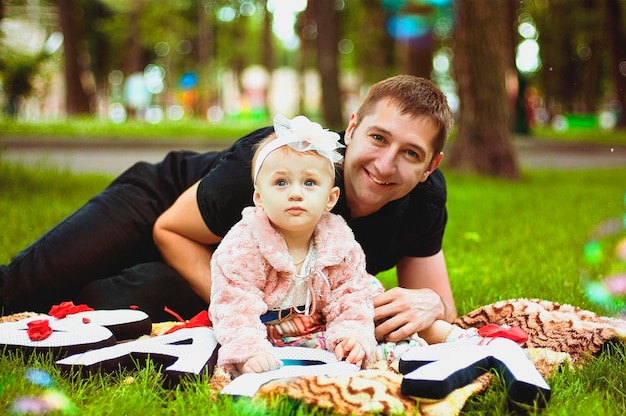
<point x="411" y="226"/>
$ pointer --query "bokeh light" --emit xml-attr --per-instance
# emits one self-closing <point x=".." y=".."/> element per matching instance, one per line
<point x="188" y="80"/>
<point x="184" y="47"/>
<point x="407" y="26"/>
<point x="443" y="27"/>
<point x="442" y="61"/>
<point x="345" y="46"/>
<point x="285" y="13"/>
<point x="215" y="114"/>
<point x="527" y="30"/>
<point x="226" y="14"/>
<point x="603" y="275"/>
<point x="117" y="113"/>
<point x="116" y="77"/>
<point x="527" y="53"/>
<point x="584" y="51"/>
<point x="622" y="68"/>
<point x="135" y="92"/>
<point x="51" y="399"/>
<point x="53" y="43"/>
<point x="154" y="115"/>
<point x="175" y="112"/>
<point x="527" y="58"/>
<point x="154" y="76"/>
<point x="247" y="8"/>
<point x="162" y="49"/>
<point x="393" y="5"/>
<point x="38" y="377"/>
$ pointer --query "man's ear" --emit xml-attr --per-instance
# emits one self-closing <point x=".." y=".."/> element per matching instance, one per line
<point x="350" y="129"/>
<point x="333" y="197"/>
<point x="434" y="164"/>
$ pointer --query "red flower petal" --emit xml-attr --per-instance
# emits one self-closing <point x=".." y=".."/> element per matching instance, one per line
<point x="67" y="308"/>
<point x="39" y="329"/>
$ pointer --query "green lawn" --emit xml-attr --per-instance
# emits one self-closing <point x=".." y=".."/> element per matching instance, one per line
<point x="504" y="240"/>
<point x="85" y="129"/>
<point x="190" y="130"/>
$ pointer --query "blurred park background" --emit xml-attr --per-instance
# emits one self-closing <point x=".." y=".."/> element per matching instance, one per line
<point x="509" y="67"/>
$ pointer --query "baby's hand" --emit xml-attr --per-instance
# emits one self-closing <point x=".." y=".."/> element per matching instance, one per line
<point x="350" y="350"/>
<point x="259" y="363"/>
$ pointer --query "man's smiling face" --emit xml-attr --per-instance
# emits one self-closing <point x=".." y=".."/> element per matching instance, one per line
<point x="387" y="155"/>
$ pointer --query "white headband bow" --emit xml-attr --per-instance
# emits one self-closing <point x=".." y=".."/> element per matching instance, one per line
<point x="301" y="134"/>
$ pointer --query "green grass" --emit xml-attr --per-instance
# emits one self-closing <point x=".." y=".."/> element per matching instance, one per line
<point x="525" y="239"/>
<point x="85" y="129"/>
<point x="504" y="240"/>
<point x="32" y="200"/>
<point x="582" y="135"/>
<point x="81" y="129"/>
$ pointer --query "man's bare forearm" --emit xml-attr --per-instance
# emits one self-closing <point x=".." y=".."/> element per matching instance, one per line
<point x="449" y="310"/>
<point x="192" y="260"/>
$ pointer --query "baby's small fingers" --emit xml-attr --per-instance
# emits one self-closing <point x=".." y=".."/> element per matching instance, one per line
<point x="356" y="356"/>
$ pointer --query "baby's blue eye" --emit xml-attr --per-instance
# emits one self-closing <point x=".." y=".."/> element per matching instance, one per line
<point x="281" y="183"/>
<point x="309" y="183"/>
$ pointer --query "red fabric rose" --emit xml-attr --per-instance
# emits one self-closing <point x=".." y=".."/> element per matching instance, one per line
<point x="67" y="308"/>
<point x="39" y="329"/>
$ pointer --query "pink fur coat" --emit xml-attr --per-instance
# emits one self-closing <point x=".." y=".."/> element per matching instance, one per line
<point x="252" y="272"/>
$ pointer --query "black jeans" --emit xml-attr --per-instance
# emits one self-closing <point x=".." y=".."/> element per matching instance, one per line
<point x="103" y="254"/>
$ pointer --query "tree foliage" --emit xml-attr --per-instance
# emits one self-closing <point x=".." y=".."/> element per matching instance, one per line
<point x="17" y="70"/>
<point x="582" y="48"/>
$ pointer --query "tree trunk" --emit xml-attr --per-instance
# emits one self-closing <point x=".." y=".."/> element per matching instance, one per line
<point x="419" y="50"/>
<point x="420" y="57"/>
<point x="77" y="101"/>
<point x="266" y="43"/>
<point x="99" y="49"/>
<point x="205" y="54"/>
<point x="617" y="44"/>
<point x="327" y="61"/>
<point x="267" y="47"/>
<point x="483" y="143"/>
<point x="133" y="55"/>
<point x="303" y="55"/>
<point x="375" y="49"/>
<point x="518" y="118"/>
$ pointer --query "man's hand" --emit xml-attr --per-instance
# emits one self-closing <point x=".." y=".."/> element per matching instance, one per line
<point x="350" y="350"/>
<point x="400" y="313"/>
<point x="423" y="295"/>
<point x="259" y="363"/>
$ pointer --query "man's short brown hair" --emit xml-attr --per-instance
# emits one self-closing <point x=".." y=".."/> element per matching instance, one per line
<point x="415" y="96"/>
